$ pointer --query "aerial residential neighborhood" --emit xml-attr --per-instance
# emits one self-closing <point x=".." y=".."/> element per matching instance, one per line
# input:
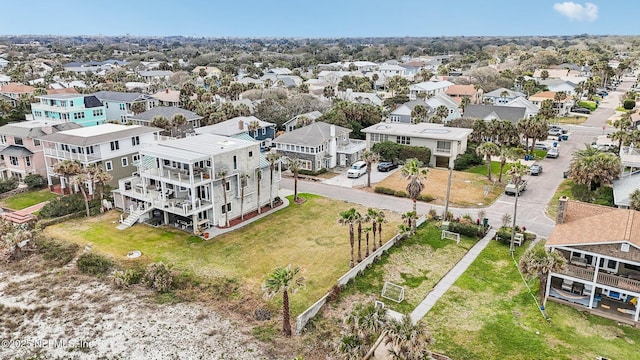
<point x="359" y="191"/>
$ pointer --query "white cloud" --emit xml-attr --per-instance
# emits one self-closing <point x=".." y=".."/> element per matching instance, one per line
<point x="579" y="12"/>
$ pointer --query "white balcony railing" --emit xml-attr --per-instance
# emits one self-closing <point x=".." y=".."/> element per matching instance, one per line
<point x="69" y="155"/>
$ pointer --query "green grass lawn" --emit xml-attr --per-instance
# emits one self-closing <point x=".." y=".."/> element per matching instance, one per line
<point x="306" y="235"/>
<point x="563" y="190"/>
<point x="495" y="169"/>
<point x="417" y="264"/>
<point x="26" y="199"/>
<point x="489" y="314"/>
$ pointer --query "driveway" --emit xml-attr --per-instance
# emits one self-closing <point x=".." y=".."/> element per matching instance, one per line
<point x="342" y="180"/>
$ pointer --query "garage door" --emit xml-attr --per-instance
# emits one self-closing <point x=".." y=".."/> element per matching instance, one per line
<point x="442" y="161"/>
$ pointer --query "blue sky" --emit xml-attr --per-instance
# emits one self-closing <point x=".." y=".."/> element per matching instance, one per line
<point x="319" y="18"/>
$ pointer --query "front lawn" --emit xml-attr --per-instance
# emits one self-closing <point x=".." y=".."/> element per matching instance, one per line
<point x="495" y="169"/>
<point x="563" y="190"/>
<point x="306" y="235"/>
<point x="489" y="314"/>
<point x="26" y="199"/>
<point x="570" y="120"/>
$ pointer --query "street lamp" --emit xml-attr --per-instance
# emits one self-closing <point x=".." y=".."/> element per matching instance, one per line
<point x="446" y="202"/>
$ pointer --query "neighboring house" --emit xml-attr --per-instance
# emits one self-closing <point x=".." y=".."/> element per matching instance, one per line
<point x="556" y="73"/>
<point x="392" y="70"/>
<point x="359" y="97"/>
<point x="623" y="188"/>
<point x="180" y="182"/>
<point x="4" y="79"/>
<point x="458" y="92"/>
<point x="490" y="112"/>
<point x="167" y="97"/>
<point x="16" y="91"/>
<point x="85" y="110"/>
<point x="442" y="99"/>
<point x="334" y="77"/>
<point x="209" y="70"/>
<point x="259" y="130"/>
<point x="412" y="68"/>
<point x="560" y="107"/>
<point x="445" y="143"/>
<point x="402" y="113"/>
<point x="246" y="80"/>
<point x="3" y="62"/>
<point x="320" y="146"/>
<point x="278" y="71"/>
<point x="501" y="96"/>
<point x="21" y="152"/>
<point x="430" y="88"/>
<point x="602" y="247"/>
<point x="530" y="109"/>
<point x="306" y="118"/>
<point x="168" y="112"/>
<point x="557" y="85"/>
<point x="155" y="75"/>
<point x="113" y="147"/>
<point x="118" y="104"/>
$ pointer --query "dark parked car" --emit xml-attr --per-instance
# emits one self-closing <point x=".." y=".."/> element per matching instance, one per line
<point x="580" y="110"/>
<point x="386" y="166"/>
<point x="535" y="169"/>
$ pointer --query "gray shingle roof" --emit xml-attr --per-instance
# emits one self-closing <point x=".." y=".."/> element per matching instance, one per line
<point x="13" y="150"/>
<point x="166" y="111"/>
<point x="311" y="135"/>
<point x="33" y="129"/>
<point x="231" y="127"/>
<point x="99" y="134"/>
<point x="513" y="114"/>
<point x="121" y="96"/>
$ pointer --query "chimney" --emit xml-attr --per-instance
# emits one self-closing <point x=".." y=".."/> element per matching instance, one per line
<point x="332" y="131"/>
<point x="240" y="124"/>
<point x="562" y="209"/>
<point x="166" y="91"/>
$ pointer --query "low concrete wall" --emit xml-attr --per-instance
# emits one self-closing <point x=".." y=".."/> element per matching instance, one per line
<point x="305" y="316"/>
<point x="10" y="193"/>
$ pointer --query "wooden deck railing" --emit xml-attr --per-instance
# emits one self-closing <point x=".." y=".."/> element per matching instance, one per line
<point x="603" y="278"/>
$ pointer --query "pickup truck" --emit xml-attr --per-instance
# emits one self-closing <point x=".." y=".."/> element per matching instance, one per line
<point x="511" y="188"/>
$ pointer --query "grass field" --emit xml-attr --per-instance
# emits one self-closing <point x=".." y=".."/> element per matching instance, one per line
<point x="306" y="235"/>
<point x="26" y="199"/>
<point x="489" y="314"/>
<point x="563" y="190"/>
<point x="495" y="170"/>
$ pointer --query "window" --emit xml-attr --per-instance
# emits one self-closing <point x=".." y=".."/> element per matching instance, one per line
<point x="611" y="265"/>
<point x="135" y="157"/>
<point x="443" y="146"/>
<point x="264" y="131"/>
<point x="3" y="139"/>
<point x="28" y="160"/>
<point x="78" y="116"/>
<point x="125" y="162"/>
<point x="13" y="160"/>
<point x="97" y="112"/>
<point x="71" y="103"/>
<point x="250" y="153"/>
<point x="135" y="140"/>
<point x="108" y="166"/>
<point x="89" y="150"/>
<point x="106" y="104"/>
<point x="36" y="142"/>
<point x="115" y="145"/>
<point x="404" y="140"/>
<point x="228" y="186"/>
<point x="123" y="107"/>
<point x="375" y="138"/>
<point x="123" y="119"/>
<point x="18" y="141"/>
<point x="624" y="247"/>
<point x="226" y="208"/>
<point x="235" y="162"/>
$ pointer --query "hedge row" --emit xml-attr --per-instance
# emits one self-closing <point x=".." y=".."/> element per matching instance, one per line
<point x="400" y="193"/>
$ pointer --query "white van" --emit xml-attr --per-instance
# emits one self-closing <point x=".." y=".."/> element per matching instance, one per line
<point x="358" y="169"/>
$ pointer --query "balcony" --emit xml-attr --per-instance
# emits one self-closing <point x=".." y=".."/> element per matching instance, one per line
<point x="611" y="280"/>
<point x="178" y="206"/>
<point x="352" y="147"/>
<point x="179" y="177"/>
<point x="69" y="155"/>
<point x="443" y="151"/>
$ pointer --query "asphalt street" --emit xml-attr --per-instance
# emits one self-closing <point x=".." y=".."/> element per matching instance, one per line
<point x="532" y="203"/>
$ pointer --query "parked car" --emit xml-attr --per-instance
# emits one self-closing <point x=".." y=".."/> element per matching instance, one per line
<point x="386" y="166"/>
<point x="511" y="188"/>
<point x="555" y="132"/>
<point x="580" y="110"/>
<point x="358" y="169"/>
<point x="553" y="153"/>
<point x="541" y="146"/>
<point x="535" y="169"/>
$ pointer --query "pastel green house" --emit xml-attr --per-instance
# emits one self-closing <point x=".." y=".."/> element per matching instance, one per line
<point x="84" y="110"/>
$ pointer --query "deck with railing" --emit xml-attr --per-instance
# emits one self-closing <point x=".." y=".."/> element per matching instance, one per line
<point x="178" y="206"/>
<point x="180" y="176"/>
<point x="611" y="280"/>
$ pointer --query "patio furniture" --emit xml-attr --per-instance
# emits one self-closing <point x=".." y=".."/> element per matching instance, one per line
<point x="567" y="285"/>
<point x="577" y="288"/>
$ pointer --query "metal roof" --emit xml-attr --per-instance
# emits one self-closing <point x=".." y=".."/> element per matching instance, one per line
<point x="195" y="148"/>
<point x="98" y="134"/>
<point x="166" y="111"/>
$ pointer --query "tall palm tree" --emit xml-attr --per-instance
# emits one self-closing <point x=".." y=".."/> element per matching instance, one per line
<point x="373" y="215"/>
<point x="380" y="218"/>
<point x="464" y="102"/>
<point x="99" y="176"/>
<point x="349" y="217"/>
<point x="517" y="171"/>
<point x="537" y="261"/>
<point x="273" y="159"/>
<point x="294" y="165"/>
<point x="244" y="178"/>
<point x="441" y="113"/>
<point x="367" y="231"/>
<point x="595" y="170"/>
<point x="80" y="180"/>
<point x="508" y="154"/>
<point x="258" y="183"/>
<point x="487" y="150"/>
<point x="418" y="113"/>
<point x="414" y="173"/>
<point x="222" y="174"/>
<point x="407" y="341"/>
<point x="369" y="157"/>
<point x="67" y="169"/>
<point x="283" y="279"/>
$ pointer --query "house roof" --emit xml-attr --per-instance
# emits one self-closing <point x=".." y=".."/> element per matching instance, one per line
<point x="62" y="91"/>
<point x="442" y="99"/>
<point x="488" y="112"/>
<point x="313" y="134"/>
<point x="166" y="111"/>
<point x="431" y="85"/>
<point x="121" y="96"/>
<point x="154" y="73"/>
<point x="16" y="88"/>
<point x="34" y="128"/>
<point x="546" y="95"/>
<point x="14" y="150"/>
<point x="522" y="102"/>
<point x="556" y="82"/>
<point x="195" y="148"/>
<point x="420" y="130"/>
<point x="461" y="90"/>
<point x="99" y="134"/>
<point x="622" y="189"/>
<point x="232" y="126"/>
<point x="313" y="115"/>
<point x="498" y="93"/>
<point x="588" y="224"/>
<point x="167" y="95"/>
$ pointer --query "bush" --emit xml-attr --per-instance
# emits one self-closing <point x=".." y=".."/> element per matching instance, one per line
<point x="66" y="205"/>
<point x="55" y="252"/>
<point x="503" y="235"/>
<point x="601" y="196"/>
<point x="159" y="277"/>
<point x="473" y="231"/>
<point x="127" y="277"/>
<point x="468" y="159"/>
<point x="591" y="105"/>
<point x="629" y="104"/>
<point x="400" y="193"/>
<point x="425" y="197"/>
<point x="94" y="264"/>
<point x="312" y="173"/>
<point x="384" y="190"/>
<point x="391" y="151"/>
<point x="8" y="185"/>
<point x="35" y="181"/>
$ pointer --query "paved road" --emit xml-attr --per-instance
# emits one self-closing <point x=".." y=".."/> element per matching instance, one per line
<point x="531" y="204"/>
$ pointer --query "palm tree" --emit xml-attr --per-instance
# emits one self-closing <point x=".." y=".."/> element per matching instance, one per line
<point x="488" y="149"/>
<point x="635" y="200"/>
<point x="517" y="171"/>
<point x="380" y="218"/>
<point x="99" y="176"/>
<point x="367" y="231"/>
<point x="283" y="279"/>
<point x="595" y="170"/>
<point x="363" y="323"/>
<point x="258" y="183"/>
<point x="369" y="157"/>
<point x="349" y="217"/>
<point x="408" y="341"/>
<point x="254" y="126"/>
<point x="67" y="169"/>
<point x="80" y="180"/>
<point x="480" y="131"/>
<point x="272" y="159"/>
<point x="243" y="184"/>
<point x="508" y="154"/>
<point x="161" y="122"/>
<point x="537" y="261"/>
<point x="418" y="113"/>
<point x="138" y="107"/>
<point x="222" y="174"/>
<point x="295" y="165"/>
<point x="441" y="113"/>
<point x="413" y="172"/>
<point x="409" y="219"/>
<point x="373" y="215"/>
<point x="464" y="102"/>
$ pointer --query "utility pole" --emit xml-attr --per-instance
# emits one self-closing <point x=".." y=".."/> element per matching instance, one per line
<point x="446" y="202"/>
<point x="515" y="211"/>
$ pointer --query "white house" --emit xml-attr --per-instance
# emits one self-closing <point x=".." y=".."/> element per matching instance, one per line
<point x="430" y="88"/>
